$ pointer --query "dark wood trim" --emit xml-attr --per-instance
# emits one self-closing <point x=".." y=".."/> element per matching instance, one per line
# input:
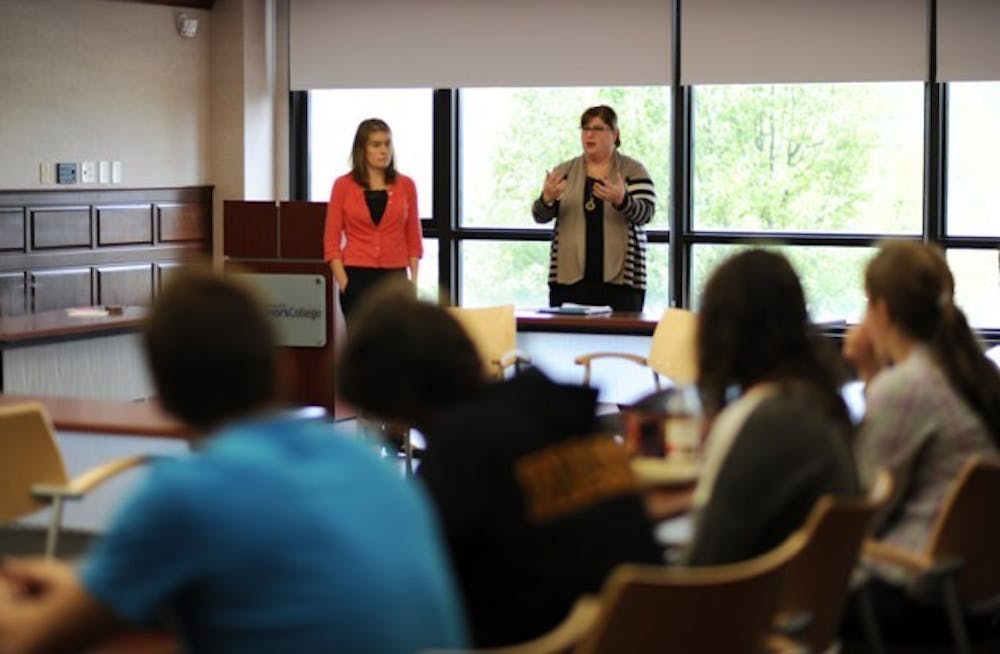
<point x="33" y="328"/>
<point x="47" y="232"/>
<point x="614" y="323"/>
<point x="106" y="417"/>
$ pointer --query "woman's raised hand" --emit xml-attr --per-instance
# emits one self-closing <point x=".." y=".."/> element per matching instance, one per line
<point x="554" y="186"/>
<point x="611" y="189"/>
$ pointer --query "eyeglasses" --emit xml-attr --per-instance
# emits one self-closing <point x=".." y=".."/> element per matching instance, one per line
<point x="595" y="129"/>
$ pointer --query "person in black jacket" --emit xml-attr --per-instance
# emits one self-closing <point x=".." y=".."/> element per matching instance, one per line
<point x="535" y="507"/>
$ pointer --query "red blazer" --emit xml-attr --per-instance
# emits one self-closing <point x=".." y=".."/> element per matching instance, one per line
<point x="350" y="234"/>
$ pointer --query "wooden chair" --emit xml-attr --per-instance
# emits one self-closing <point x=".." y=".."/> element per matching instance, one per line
<point x="672" y="351"/>
<point x="960" y="566"/>
<point x="33" y="474"/>
<point x="493" y="330"/>
<point x="652" y="609"/>
<point x="817" y="581"/>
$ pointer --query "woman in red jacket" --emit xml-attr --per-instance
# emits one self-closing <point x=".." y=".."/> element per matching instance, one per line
<point x="372" y="223"/>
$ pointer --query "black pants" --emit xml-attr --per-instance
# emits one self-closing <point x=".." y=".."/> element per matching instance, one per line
<point x="359" y="282"/>
<point x="616" y="296"/>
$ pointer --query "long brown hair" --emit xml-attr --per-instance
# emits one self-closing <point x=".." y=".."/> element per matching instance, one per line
<point x="753" y="326"/>
<point x="359" y="169"/>
<point x="918" y="288"/>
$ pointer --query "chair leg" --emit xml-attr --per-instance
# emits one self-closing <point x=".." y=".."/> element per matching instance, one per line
<point x="52" y="536"/>
<point x="869" y="622"/>
<point x="956" y="622"/>
<point x="408" y="452"/>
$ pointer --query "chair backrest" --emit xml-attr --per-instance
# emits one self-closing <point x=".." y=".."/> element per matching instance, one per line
<point x="29" y="455"/>
<point x="493" y="330"/>
<point x="968" y="529"/>
<point x="673" y="350"/>
<point x="724" y="608"/>
<point x="817" y="580"/>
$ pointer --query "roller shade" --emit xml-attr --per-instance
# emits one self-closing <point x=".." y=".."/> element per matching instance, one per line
<point x="479" y="43"/>
<point x="968" y="40"/>
<point x="777" y="41"/>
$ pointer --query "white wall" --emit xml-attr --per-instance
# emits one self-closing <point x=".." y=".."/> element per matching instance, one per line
<point x="99" y="80"/>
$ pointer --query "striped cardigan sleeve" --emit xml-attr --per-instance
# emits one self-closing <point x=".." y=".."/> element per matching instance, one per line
<point x="640" y="200"/>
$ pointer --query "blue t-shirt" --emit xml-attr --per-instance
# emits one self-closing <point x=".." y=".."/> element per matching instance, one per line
<point x="280" y="535"/>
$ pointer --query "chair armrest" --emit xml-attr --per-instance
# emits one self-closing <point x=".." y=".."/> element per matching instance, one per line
<point x="87" y="481"/>
<point x="511" y="358"/>
<point x="585" y="360"/>
<point x="877" y="550"/>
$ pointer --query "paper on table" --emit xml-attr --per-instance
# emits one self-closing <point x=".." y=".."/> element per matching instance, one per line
<point x="87" y="312"/>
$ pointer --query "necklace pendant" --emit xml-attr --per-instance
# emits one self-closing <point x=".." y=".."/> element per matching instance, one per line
<point x="590" y="206"/>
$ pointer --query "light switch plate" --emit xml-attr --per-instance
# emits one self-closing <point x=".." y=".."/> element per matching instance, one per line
<point x="46" y="172"/>
<point x="104" y="172"/>
<point x="116" y="172"/>
<point x="88" y="172"/>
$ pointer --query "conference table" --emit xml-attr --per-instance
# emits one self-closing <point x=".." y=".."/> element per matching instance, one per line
<point x="84" y="352"/>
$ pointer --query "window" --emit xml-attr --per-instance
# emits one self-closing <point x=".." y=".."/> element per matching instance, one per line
<point x="977" y="284"/>
<point x="808" y="158"/>
<point x="831" y="276"/>
<point x="974" y="159"/>
<point x="511" y="137"/>
<point x="334" y="116"/>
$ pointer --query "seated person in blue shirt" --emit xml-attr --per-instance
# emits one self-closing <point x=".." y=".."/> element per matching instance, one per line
<point x="536" y="508"/>
<point x="277" y="535"/>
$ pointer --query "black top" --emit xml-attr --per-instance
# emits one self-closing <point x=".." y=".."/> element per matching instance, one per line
<point x="376" y="201"/>
<point x="593" y="208"/>
<point x="786" y="455"/>
<point x="524" y="548"/>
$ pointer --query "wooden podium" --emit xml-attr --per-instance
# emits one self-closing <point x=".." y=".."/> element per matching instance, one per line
<point x="287" y="239"/>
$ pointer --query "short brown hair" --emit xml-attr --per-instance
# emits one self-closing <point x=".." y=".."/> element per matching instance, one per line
<point x="210" y="348"/>
<point x="607" y="115"/>
<point x="405" y="359"/>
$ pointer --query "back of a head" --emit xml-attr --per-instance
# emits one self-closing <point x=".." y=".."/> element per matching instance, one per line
<point x="210" y="347"/>
<point x="406" y="359"/>
<point x="915" y="282"/>
<point x="754" y="326"/>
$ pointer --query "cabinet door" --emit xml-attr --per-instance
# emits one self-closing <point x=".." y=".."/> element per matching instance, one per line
<point x="59" y="289"/>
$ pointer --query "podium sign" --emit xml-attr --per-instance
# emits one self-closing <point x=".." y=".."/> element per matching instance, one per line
<point x="297" y="305"/>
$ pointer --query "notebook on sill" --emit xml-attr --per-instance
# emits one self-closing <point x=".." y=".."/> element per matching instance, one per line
<point x="571" y="309"/>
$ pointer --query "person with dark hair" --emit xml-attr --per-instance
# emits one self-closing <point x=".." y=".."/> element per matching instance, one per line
<point x="932" y="401"/>
<point x="600" y="202"/>
<point x="372" y="220"/>
<point x="278" y="534"/>
<point x="536" y="508"/>
<point x="779" y="436"/>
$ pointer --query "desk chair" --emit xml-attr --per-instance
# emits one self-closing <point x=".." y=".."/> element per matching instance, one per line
<point x="960" y="566"/>
<point x="652" y="609"/>
<point x="817" y="581"/>
<point x="672" y="352"/>
<point x="33" y="474"/>
<point x="493" y="330"/>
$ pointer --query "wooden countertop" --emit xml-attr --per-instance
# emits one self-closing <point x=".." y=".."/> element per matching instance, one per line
<point x="120" y="418"/>
<point x="60" y="325"/>
<point x="639" y="324"/>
